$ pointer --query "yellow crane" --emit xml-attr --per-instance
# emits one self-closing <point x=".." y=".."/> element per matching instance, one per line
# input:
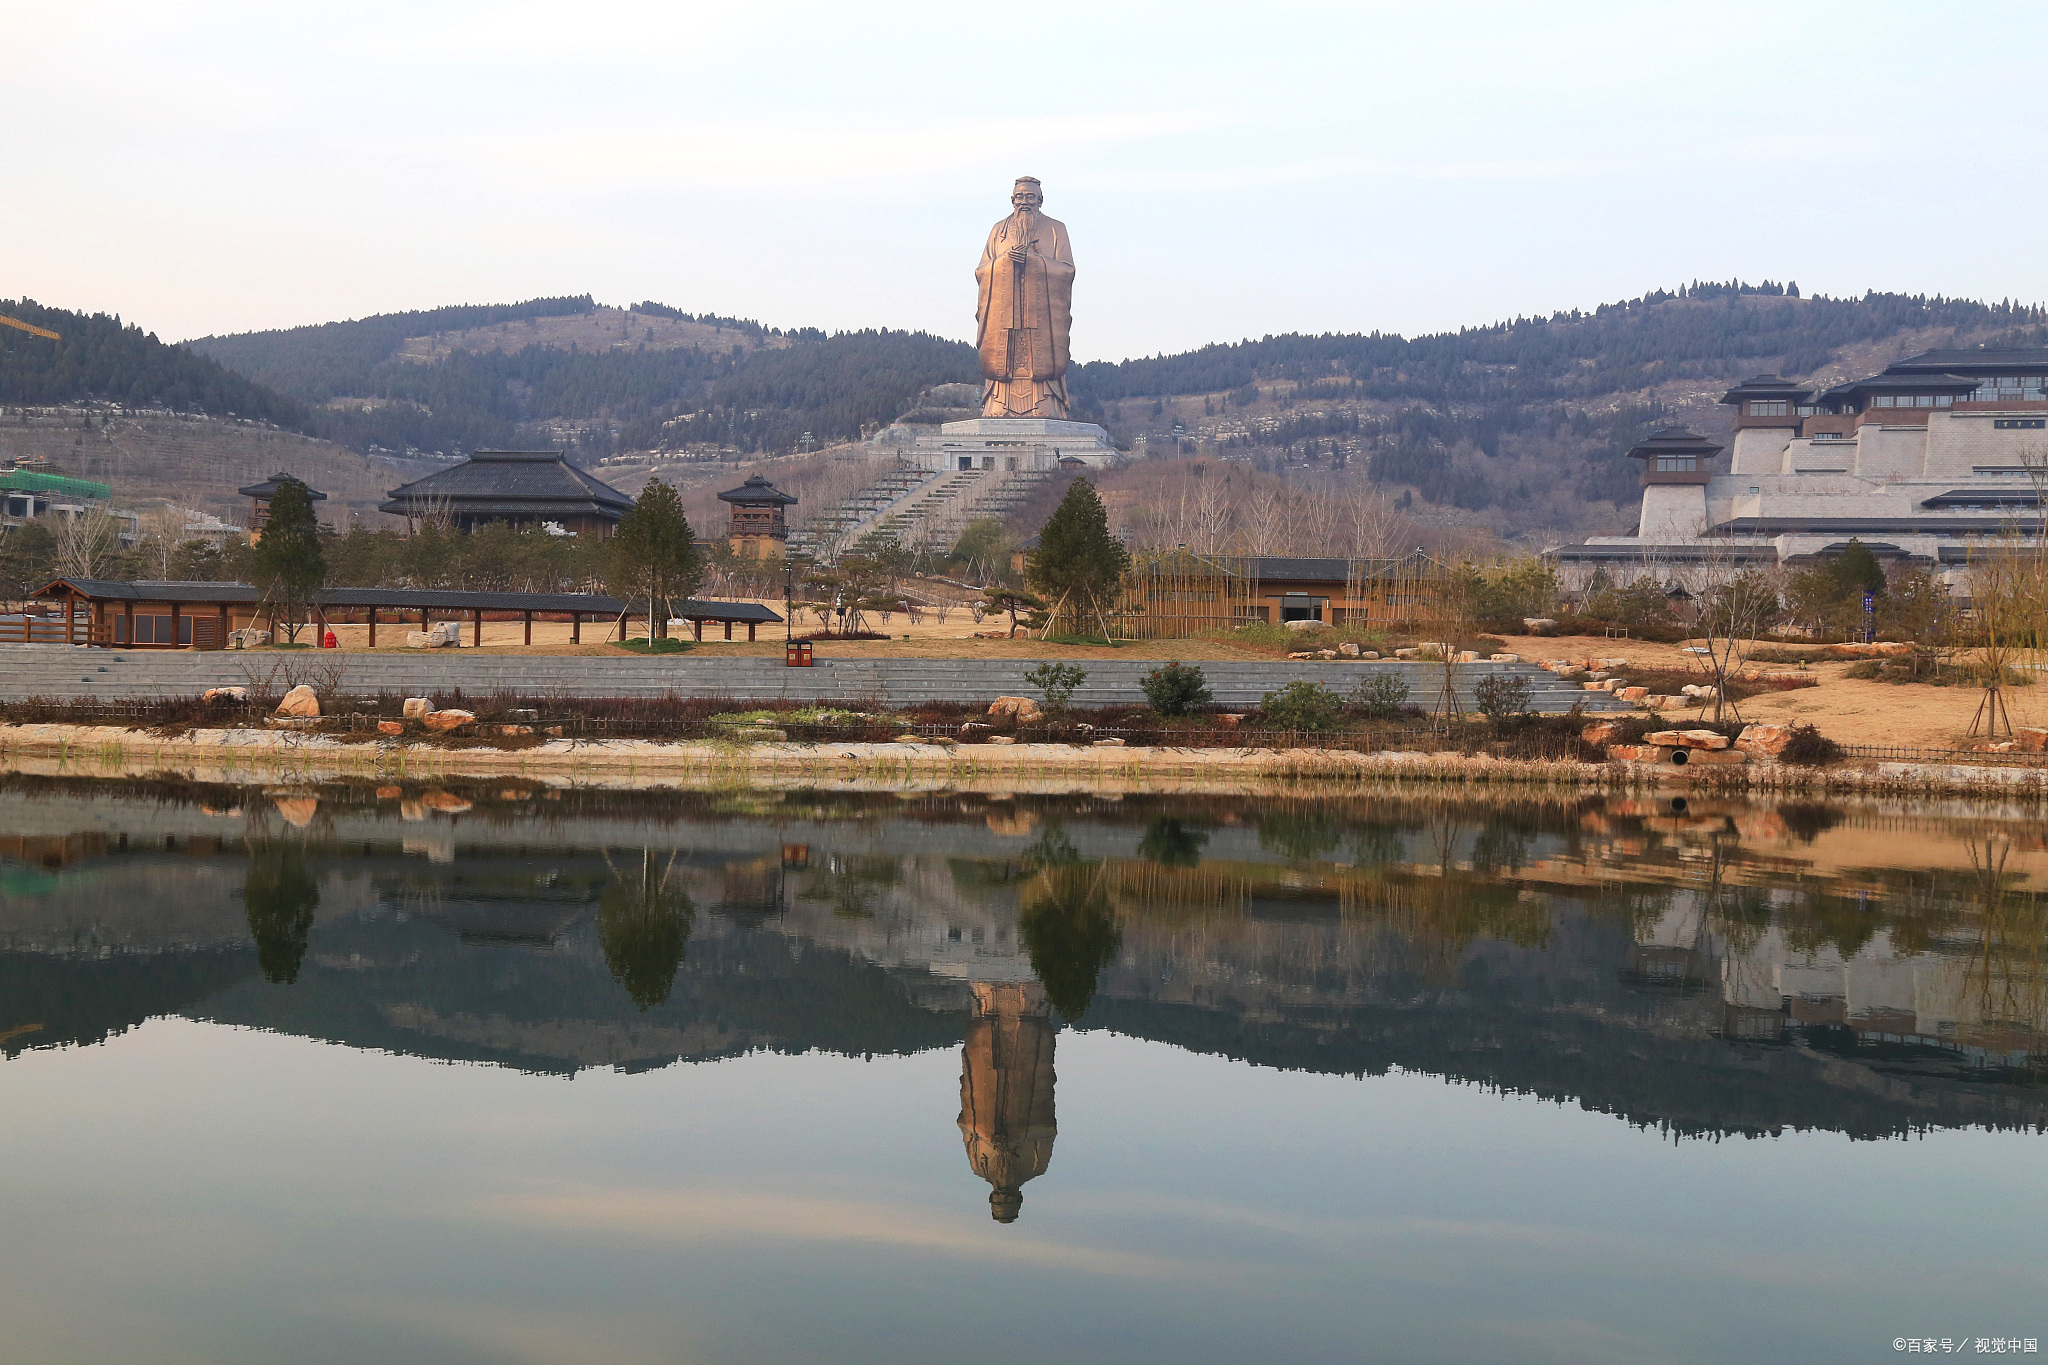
<point x="28" y="327"/>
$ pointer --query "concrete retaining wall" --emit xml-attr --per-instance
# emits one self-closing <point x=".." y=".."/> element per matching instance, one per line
<point x="113" y="675"/>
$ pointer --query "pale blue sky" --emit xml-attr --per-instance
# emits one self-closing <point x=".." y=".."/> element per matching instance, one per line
<point x="1225" y="170"/>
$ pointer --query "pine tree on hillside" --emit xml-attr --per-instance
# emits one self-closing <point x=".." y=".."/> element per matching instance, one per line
<point x="290" y="565"/>
<point x="1078" y="563"/>
<point x="654" y="555"/>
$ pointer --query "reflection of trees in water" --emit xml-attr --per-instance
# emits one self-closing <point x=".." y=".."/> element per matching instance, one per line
<point x="855" y="883"/>
<point x="1499" y="848"/>
<point x="1170" y="843"/>
<point x="1442" y="915"/>
<point x="1158" y="894"/>
<point x="1807" y="821"/>
<point x="643" y="924"/>
<point x="1815" y="918"/>
<point x="1742" y="915"/>
<point x="1052" y="849"/>
<point x="2005" y="972"/>
<point x="1376" y="845"/>
<point x="280" y="896"/>
<point x="1070" y="932"/>
<point x="1302" y="830"/>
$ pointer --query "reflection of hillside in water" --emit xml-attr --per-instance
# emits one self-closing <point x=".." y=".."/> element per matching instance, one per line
<point x="1724" y="968"/>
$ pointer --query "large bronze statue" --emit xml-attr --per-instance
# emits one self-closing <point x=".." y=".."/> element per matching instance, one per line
<point x="1025" y="310"/>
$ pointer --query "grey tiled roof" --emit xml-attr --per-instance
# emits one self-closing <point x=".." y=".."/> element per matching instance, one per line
<point x="1976" y="361"/>
<point x="268" y="488"/>
<point x="757" y="491"/>
<point x="512" y="483"/>
<point x="1674" y="441"/>
<point x="1766" y="386"/>
<point x="433" y="599"/>
<point x="1290" y="568"/>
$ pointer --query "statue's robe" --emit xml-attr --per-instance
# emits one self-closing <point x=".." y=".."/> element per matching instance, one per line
<point x="1023" y="316"/>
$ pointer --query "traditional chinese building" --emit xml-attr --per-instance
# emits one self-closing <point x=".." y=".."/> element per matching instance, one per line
<point x="518" y="487"/>
<point x="759" y="529"/>
<point x="1180" y="593"/>
<point x="260" y="494"/>
<point x="1941" y="450"/>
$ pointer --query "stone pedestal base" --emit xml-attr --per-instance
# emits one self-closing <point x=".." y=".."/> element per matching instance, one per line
<point x="1013" y="444"/>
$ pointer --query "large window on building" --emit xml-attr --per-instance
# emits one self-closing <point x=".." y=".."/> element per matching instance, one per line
<point x="1676" y="464"/>
<point x="1769" y="407"/>
<point x="157" y="630"/>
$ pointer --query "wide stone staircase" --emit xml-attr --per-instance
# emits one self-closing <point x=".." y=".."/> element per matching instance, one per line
<point x="113" y="675"/>
<point x="839" y="526"/>
<point x="917" y="508"/>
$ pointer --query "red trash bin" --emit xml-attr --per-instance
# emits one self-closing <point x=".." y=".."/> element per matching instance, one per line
<point x="329" y="642"/>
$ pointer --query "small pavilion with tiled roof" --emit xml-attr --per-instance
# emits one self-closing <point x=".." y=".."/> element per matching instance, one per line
<point x="518" y="487"/>
<point x="260" y="495"/>
<point x="759" y="528"/>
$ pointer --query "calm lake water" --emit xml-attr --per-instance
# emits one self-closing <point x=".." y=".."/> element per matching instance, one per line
<point x="498" y="1073"/>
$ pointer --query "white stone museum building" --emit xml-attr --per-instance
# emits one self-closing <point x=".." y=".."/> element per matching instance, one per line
<point x="1941" y="450"/>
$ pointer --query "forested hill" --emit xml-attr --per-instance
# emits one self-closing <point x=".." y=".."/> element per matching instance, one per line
<point x="731" y="383"/>
<point x="100" y="357"/>
<point x="1524" y="424"/>
<point x="319" y="361"/>
<point x="1700" y="331"/>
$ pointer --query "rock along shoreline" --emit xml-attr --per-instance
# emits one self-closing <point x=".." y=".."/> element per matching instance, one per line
<point x="246" y="754"/>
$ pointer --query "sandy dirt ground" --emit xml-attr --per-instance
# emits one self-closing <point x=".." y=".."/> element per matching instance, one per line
<point x="1848" y="710"/>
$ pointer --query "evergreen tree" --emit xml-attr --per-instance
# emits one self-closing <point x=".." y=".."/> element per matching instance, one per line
<point x="1857" y="571"/>
<point x="289" y="562"/>
<point x="28" y="559"/>
<point x="1078" y="563"/>
<point x="654" y="555"/>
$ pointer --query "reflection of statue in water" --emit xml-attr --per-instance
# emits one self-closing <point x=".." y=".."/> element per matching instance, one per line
<point x="642" y="925"/>
<point x="1006" y="1081"/>
<point x="280" y="896"/>
<point x="1024" y="309"/>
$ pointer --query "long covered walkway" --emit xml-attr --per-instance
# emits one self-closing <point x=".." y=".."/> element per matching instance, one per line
<point x="167" y="615"/>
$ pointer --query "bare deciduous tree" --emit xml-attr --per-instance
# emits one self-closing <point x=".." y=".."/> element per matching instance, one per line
<point x="86" y="541"/>
<point x="1737" y="587"/>
<point x="1373" y="526"/>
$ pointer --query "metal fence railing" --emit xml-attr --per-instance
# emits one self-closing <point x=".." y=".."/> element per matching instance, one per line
<point x="1907" y="753"/>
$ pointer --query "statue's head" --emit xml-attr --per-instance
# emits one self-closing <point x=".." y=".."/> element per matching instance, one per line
<point x="1027" y="194"/>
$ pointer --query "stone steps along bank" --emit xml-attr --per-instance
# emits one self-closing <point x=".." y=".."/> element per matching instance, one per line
<point x="113" y="675"/>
